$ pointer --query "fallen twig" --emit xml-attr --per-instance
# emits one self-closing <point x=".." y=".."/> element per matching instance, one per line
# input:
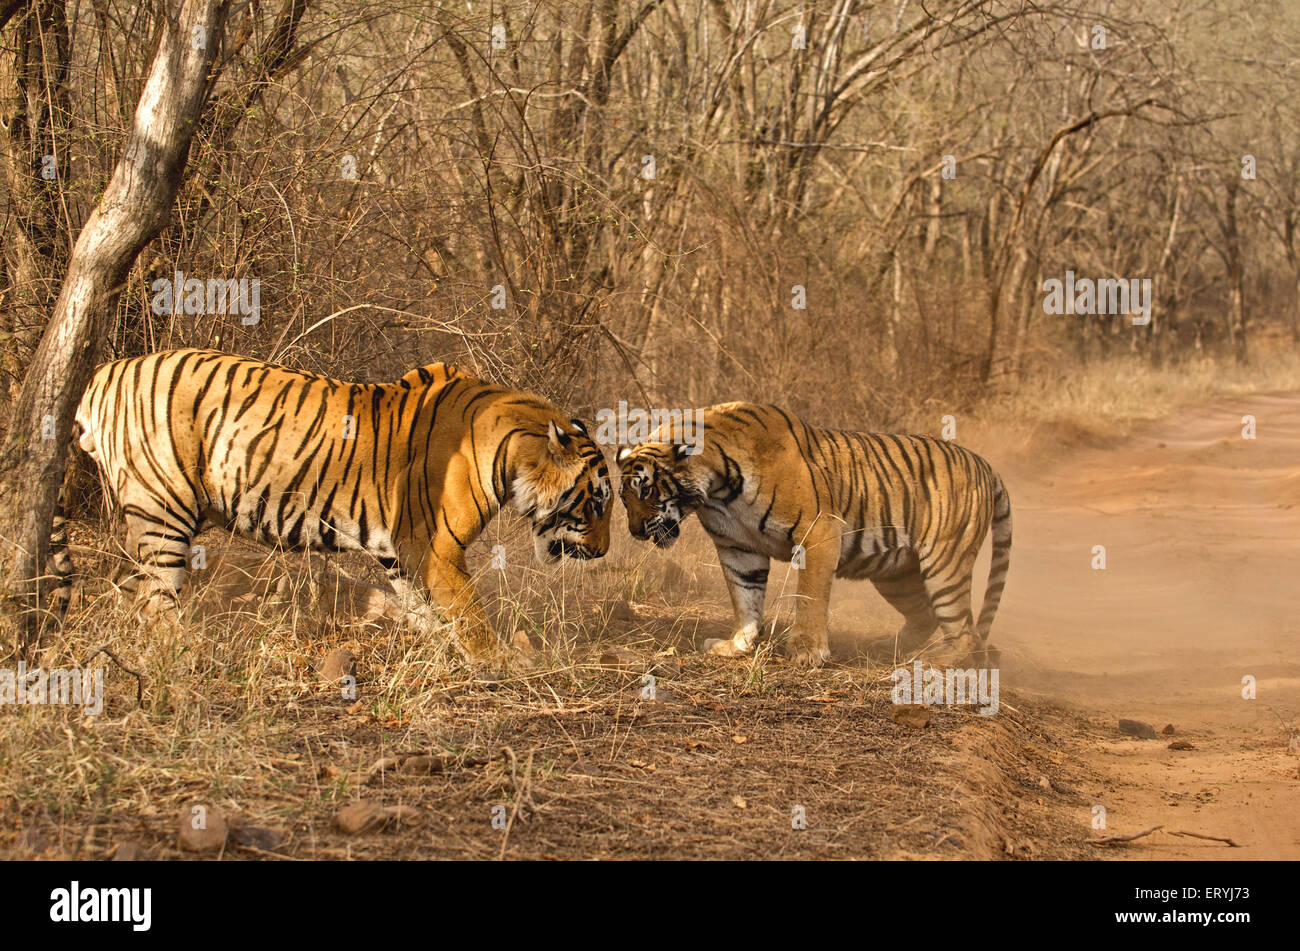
<point x="1112" y="839"/>
<point x="522" y="794"/>
<point x="1212" y="838"/>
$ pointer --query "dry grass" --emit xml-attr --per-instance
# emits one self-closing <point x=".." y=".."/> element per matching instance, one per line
<point x="1099" y="403"/>
<point x="581" y="763"/>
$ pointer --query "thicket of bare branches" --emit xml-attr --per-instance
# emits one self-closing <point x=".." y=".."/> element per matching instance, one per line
<point x="647" y="185"/>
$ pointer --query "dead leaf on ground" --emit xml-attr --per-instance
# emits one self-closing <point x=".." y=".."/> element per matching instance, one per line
<point x="412" y="764"/>
<point x="256" y="837"/>
<point x="131" y="852"/>
<point x="368" y="816"/>
<point x="338" y="664"/>
<point x="618" y="658"/>
<point x="202" y="829"/>
<point x="914" y="715"/>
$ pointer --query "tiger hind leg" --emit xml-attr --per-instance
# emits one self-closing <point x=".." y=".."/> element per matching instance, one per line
<point x="60" y="563"/>
<point x="948" y="585"/>
<point x="907" y="595"/>
<point x="161" y="555"/>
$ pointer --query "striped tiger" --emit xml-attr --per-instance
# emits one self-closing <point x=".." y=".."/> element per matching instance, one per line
<point x="410" y="471"/>
<point x="907" y="512"/>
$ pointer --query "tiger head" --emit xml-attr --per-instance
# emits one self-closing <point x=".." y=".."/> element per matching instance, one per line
<point x="562" y="487"/>
<point x="657" y="489"/>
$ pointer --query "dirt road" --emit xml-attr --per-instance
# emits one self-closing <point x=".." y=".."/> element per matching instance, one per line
<point x="1201" y="531"/>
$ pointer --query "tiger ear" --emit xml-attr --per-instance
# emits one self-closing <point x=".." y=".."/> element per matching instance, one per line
<point x="623" y="456"/>
<point x="579" y="425"/>
<point x="557" y="437"/>
<point x="683" y="451"/>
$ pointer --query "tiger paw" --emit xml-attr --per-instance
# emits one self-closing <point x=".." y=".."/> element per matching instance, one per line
<point x="722" y="647"/>
<point x="807" y="655"/>
<point x="523" y="652"/>
<point x="162" y="617"/>
<point x="420" y="618"/>
<point x="987" y="656"/>
<point x="954" y="652"/>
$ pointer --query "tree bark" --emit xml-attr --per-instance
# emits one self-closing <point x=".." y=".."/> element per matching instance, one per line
<point x="134" y="207"/>
<point x="1236" y="272"/>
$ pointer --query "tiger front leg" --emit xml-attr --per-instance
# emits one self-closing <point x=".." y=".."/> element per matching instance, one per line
<point x="808" y="645"/>
<point x="453" y="590"/>
<point x="746" y="574"/>
<point x="409" y="606"/>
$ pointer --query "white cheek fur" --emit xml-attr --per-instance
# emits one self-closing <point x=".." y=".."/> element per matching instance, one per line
<point x="524" y="495"/>
<point x="528" y="501"/>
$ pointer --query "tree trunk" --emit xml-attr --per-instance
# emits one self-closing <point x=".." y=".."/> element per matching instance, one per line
<point x="1236" y="273"/>
<point x="1295" y="306"/>
<point x="133" y="209"/>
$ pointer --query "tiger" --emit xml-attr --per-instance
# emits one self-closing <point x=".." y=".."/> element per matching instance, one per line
<point x="907" y="512"/>
<point x="410" y="472"/>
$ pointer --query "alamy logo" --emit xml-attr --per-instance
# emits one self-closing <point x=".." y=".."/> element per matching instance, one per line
<point x="1105" y="297"/>
<point x="179" y="294"/>
<point x="75" y="904"/>
<point x="931" y="686"/>
<point x="82" y="687"/>
<point x="624" y="426"/>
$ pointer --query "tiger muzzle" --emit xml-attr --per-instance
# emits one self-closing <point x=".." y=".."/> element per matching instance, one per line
<point x="659" y="531"/>
<point x="560" y="548"/>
